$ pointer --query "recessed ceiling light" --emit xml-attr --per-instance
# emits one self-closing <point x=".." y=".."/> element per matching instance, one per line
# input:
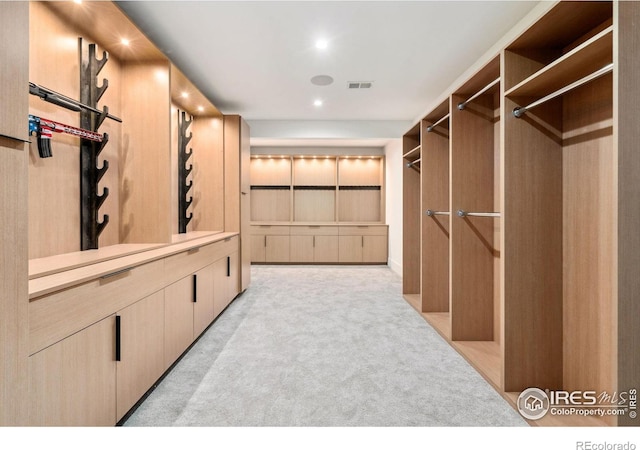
<point x="317" y="103"/>
<point x="124" y="41"/>
<point x="200" y="108"/>
<point x="322" y="80"/>
<point x="77" y="2"/>
<point x="322" y="44"/>
<point x="184" y="95"/>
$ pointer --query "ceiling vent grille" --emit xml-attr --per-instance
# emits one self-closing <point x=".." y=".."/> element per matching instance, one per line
<point x="359" y="84"/>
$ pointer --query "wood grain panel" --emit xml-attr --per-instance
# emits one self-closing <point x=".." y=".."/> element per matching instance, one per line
<point x="232" y="173"/>
<point x="435" y="229"/>
<point x="220" y="285"/>
<point x="302" y="249"/>
<point x="258" y="248"/>
<point x="363" y="230"/>
<point x="14" y="19"/>
<point x="627" y="91"/>
<point x="411" y="220"/>
<point x="360" y="171"/>
<point x="142" y="350"/>
<point x="532" y="247"/>
<point x="472" y="189"/>
<point x="203" y="308"/>
<point x="276" y="230"/>
<point x="350" y="249"/>
<point x="311" y="171"/>
<point x="270" y="205"/>
<point x="266" y="171"/>
<point x="209" y="195"/>
<point x="374" y="249"/>
<point x="245" y="205"/>
<point x="145" y="155"/>
<point x="14" y="70"/>
<point x="589" y="231"/>
<point x="314" y="206"/>
<point x="73" y="383"/>
<point x="326" y="249"/>
<point x="360" y="205"/>
<point x="313" y="230"/>
<point x="187" y="262"/>
<point x="178" y="319"/>
<point x="277" y="249"/>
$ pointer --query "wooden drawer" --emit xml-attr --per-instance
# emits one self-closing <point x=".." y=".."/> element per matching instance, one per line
<point x="313" y="230"/>
<point x="60" y="314"/>
<point x="271" y="230"/>
<point x="363" y="230"/>
<point x="185" y="263"/>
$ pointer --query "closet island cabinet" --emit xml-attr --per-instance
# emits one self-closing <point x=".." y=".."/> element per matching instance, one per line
<point x="119" y="257"/>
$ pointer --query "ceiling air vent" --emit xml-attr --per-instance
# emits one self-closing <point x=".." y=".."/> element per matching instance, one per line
<point x="359" y="84"/>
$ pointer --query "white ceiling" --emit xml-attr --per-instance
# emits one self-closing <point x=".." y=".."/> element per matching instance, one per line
<point x="256" y="58"/>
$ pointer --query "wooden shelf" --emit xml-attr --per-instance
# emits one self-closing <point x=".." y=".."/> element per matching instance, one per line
<point x="585" y="59"/>
<point x="441" y="321"/>
<point x="409" y="156"/>
<point x="414" y="301"/>
<point x="485" y="357"/>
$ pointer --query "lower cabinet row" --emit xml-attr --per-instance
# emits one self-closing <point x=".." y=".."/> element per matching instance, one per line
<point x="95" y="376"/>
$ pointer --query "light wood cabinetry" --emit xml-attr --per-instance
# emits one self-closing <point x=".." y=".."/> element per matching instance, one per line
<point x="14" y="157"/>
<point x="320" y="194"/>
<point x="73" y="382"/>
<point x="238" y="189"/>
<point x="140" y="356"/>
<point x="204" y="299"/>
<point x="178" y="318"/>
<point x="526" y="178"/>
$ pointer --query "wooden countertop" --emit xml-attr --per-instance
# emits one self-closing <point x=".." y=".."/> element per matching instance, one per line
<point x="58" y="272"/>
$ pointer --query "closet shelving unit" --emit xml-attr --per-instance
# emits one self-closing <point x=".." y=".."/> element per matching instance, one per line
<point x="411" y="224"/>
<point x="359" y="187"/>
<point x="435" y="218"/>
<point x="542" y="202"/>
<point x="314" y="189"/>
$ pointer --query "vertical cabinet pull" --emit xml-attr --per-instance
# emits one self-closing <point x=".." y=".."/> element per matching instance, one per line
<point x="265" y="240"/>
<point x="314" y="241"/>
<point x="195" y="288"/>
<point x="118" y="339"/>
<point x="361" y="241"/>
<point x="228" y="266"/>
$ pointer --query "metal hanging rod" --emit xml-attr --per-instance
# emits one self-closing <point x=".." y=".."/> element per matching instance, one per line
<point x="462" y="213"/>
<point x="431" y="213"/>
<point x="462" y="105"/>
<point x="519" y="112"/>
<point x="59" y="99"/>
<point x="409" y="164"/>
<point x="431" y="127"/>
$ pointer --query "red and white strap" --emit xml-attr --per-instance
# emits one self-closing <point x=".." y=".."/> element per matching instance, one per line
<point x="68" y="129"/>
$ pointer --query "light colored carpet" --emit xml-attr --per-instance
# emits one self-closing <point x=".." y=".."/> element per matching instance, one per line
<point x="323" y="346"/>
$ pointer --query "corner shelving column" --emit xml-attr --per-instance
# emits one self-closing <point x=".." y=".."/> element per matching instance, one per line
<point x="436" y="218"/>
<point x="560" y="205"/>
<point x="411" y="216"/>
<point x="271" y="189"/>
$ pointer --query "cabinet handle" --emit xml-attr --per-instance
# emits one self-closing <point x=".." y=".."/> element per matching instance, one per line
<point x="361" y="241"/>
<point x="227" y="239"/>
<point x="265" y="241"/>
<point x="314" y="241"/>
<point x="118" y="339"/>
<point x="228" y="266"/>
<point x="243" y="193"/>
<point x="195" y="288"/>
<point x="116" y="273"/>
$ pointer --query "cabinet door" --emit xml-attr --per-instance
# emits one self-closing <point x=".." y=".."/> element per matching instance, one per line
<point x="325" y="249"/>
<point x="232" y="267"/>
<point x="301" y="249"/>
<point x="178" y="319"/>
<point x="350" y="249"/>
<point x="258" y="248"/>
<point x="203" y="308"/>
<point x="73" y="382"/>
<point x="141" y="340"/>
<point x="220" y="285"/>
<point x="374" y="249"/>
<point x="277" y="249"/>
